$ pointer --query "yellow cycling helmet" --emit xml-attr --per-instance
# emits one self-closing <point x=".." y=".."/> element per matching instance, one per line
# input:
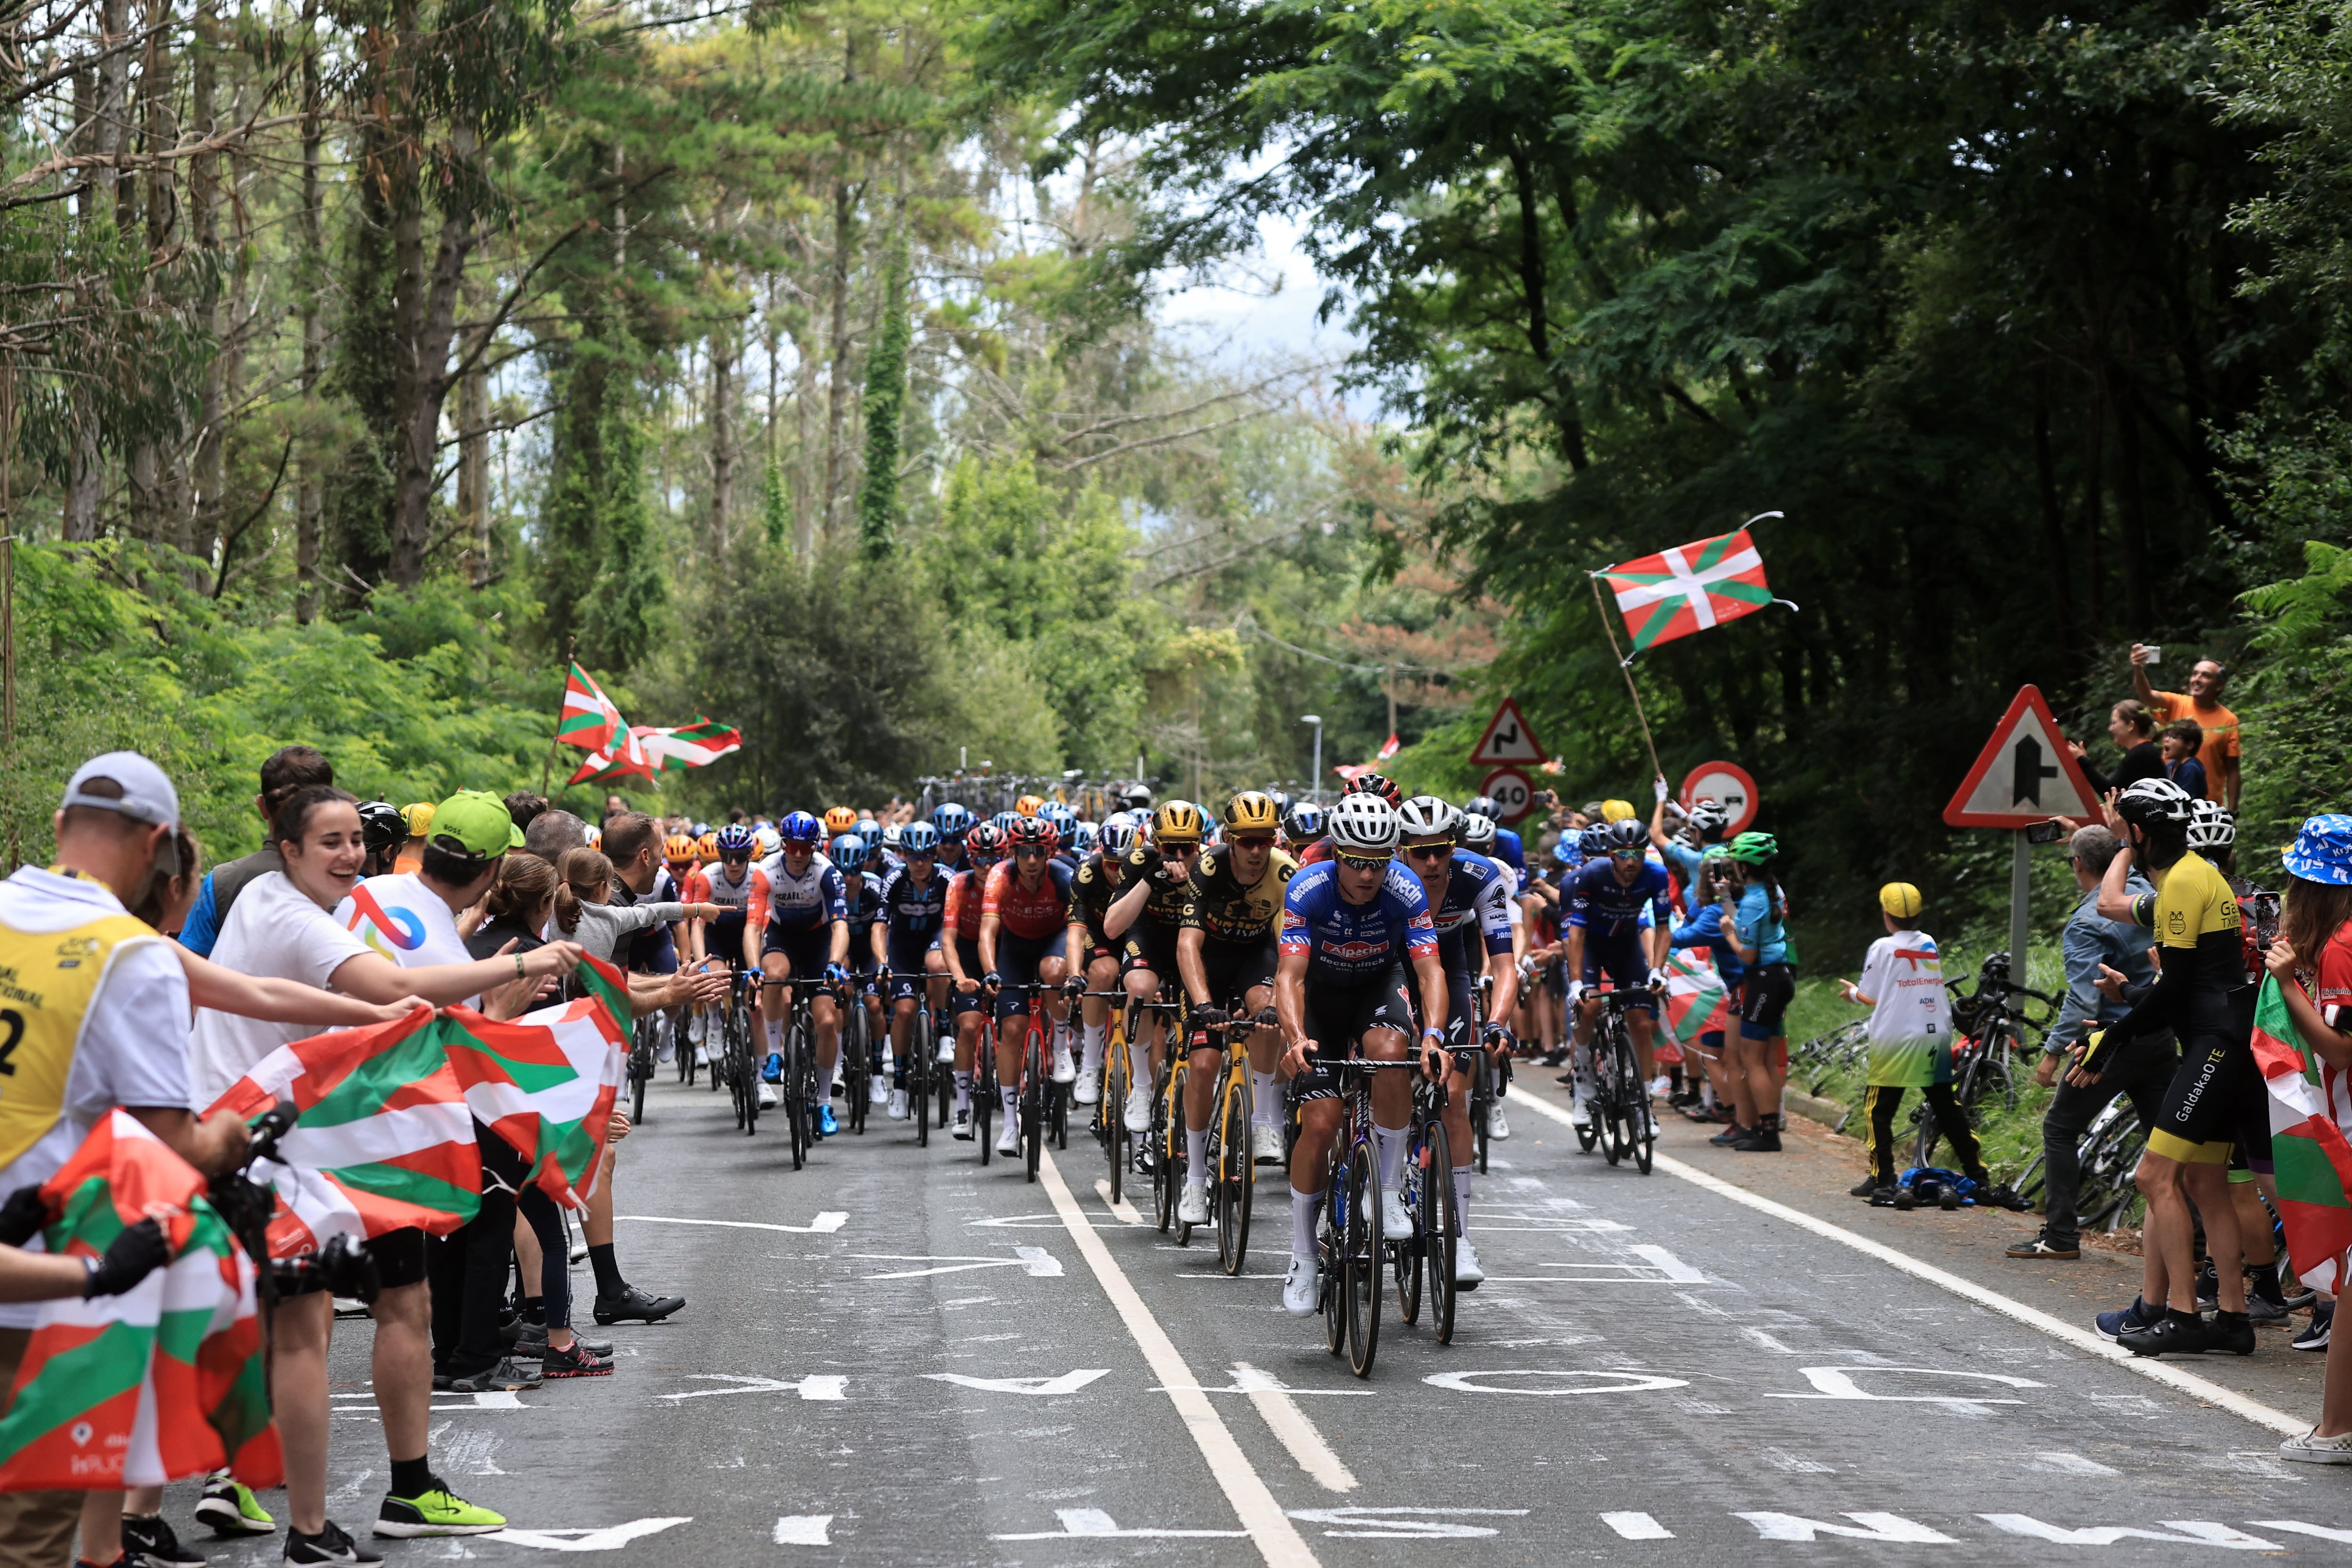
<point x="1252" y="811"/>
<point x="841" y="820"/>
<point x="418" y="817"/>
<point x="1616" y="811"/>
<point x="678" y="847"/>
<point x="1029" y="804"/>
<point x="707" y="846"/>
<point x="1179" y="822"/>
<point x="1901" y="899"/>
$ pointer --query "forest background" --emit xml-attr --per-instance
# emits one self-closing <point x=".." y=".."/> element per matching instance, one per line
<point x="809" y="367"/>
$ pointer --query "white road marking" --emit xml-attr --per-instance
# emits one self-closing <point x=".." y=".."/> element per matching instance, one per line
<point x="1797" y="1464"/>
<point x="1293" y="1430"/>
<point x="2190" y="1532"/>
<point x="804" y="1530"/>
<point x="1406" y="1523"/>
<point x="2296" y="1527"/>
<point x="1637" y="1526"/>
<point x="1666" y="1263"/>
<point x="822" y="1387"/>
<point x="1121" y="1210"/>
<point x="491" y="1399"/>
<point x="1094" y="1522"/>
<point x="1277" y="1540"/>
<point x="2062" y="1464"/>
<point x="1068" y="1383"/>
<point x="824" y="1225"/>
<point x="1865" y="1527"/>
<point x="2084" y="1340"/>
<point x="1625" y="1382"/>
<point x="1837" y="1382"/>
<point x="611" y="1538"/>
<point x="1766" y="1341"/>
<point x="1034" y="1261"/>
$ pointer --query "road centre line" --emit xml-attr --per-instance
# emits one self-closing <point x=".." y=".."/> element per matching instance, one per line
<point x="2149" y="1367"/>
<point x="1270" y="1530"/>
<point x="1289" y="1423"/>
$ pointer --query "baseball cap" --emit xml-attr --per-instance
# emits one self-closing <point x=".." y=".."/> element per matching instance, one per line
<point x="145" y="795"/>
<point x="2322" y="852"/>
<point x="418" y="815"/>
<point x="1901" y="899"/>
<point x="478" y="821"/>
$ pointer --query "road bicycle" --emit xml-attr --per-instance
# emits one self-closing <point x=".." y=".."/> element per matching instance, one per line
<point x="1621" y="1120"/>
<point x="1988" y="1035"/>
<point x="860" y="1052"/>
<point x="739" y="1064"/>
<point x="918" y="1067"/>
<point x="798" y="1078"/>
<point x="1492" y="1079"/>
<point x="1110" y="1111"/>
<point x="1042" y="1104"/>
<point x="1837" y="1054"/>
<point x="1164" y="1150"/>
<point x="1231" y="1171"/>
<point x="983" y="1077"/>
<point x="2107" y="1198"/>
<point x="645" y="1035"/>
<point x="1347" y="1241"/>
<point x="1428" y="1190"/>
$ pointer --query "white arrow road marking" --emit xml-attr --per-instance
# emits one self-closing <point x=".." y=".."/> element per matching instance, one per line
<point x="1122" y="1210"/>
<point x="2297" y="1526"/>
<point x="804" y="1530"/>
<point x="820" y="1387"/>
<point x="1612" y="1382"/>
<point x="1293" y="1430"/>
<point x="1094" y="1522"/>
<point x="1406" y="1523"/>
<point x="1637" y="1526"/>
<point x="1865" y="1527"/>
<point x="1837" y="1382"/>
<point x="1034" y="1261"/>
<point x="611" y="1538"/>
<point x="2192" y="1532"/>
<point x="1018" y="1222"/>
<point x="1068" y="1383"/>
<point x="824" y="1225"/>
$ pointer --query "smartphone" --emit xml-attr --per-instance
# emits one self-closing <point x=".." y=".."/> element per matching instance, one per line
<point x="2045" y="833"/>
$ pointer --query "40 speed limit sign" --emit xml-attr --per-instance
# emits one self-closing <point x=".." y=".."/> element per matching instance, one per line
<point x="1512" y="793"/>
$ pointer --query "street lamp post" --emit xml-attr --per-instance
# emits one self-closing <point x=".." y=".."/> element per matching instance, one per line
<point x="1315" y="785"/>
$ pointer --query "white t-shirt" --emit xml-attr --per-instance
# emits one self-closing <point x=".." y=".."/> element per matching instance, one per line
<point x="276" y="932"/>
<point x="133" y="1049"/>
<point x="1904" y="975"/>
<point x="406" y="922"/>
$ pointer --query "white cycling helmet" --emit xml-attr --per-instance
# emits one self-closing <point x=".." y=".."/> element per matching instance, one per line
<point x="1708" y="815"/>
<point x="2211" y="827"/>
<point x="1427" y="817"/>
<point x="1364" y="823"/>
<point x="767" y="841"/>
<point x="2151" y="801"/>
<point x="1477" y="832"/>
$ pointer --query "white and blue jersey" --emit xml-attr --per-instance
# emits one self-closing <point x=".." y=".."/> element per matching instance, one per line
<point x="1477" y="893"/>
<point x="1355" y="944"/>
<point x="800" y="904"/>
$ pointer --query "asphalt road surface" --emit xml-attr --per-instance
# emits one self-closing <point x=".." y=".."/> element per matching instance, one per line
<point x="897" y="1356"/>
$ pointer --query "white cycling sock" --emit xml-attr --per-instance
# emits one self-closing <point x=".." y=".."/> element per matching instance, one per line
<point x="1462" y="1174"/>
<point x="1304" y="1206"/>
<point x="776" y="1035"/>
<point x="1265" y="1100"/>
<point x="1094" y="1046"/>
<point x="1390" y="1142"/>
<point x="1196" y="1157"/>
<point x="963" y="1091"/>
<point x="1012" y="1099"/>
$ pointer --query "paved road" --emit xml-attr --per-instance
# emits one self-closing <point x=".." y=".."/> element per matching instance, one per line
<point x="898" y="1357"/>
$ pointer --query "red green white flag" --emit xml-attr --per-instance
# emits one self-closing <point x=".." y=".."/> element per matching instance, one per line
<point x="1690" y="587"/>
<point x="2310" y="1107"/>
<point x="163" y="1382"/>
<point x="1697" y="998"/>
<point x="589" y="719"/>
<point x="546" y="1082"/>
<point x="695" y="745"/>
<point x="622" y="757"/>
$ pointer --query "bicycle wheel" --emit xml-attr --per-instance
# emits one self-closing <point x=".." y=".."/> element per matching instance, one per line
<point x="641" y="1067"/>
<point x="1233" y="1176"/>
<point x="919" y="1076"/>
<point x="1482" y="1102"/>
<point x="1033" y="1103"/>
<point x="984" y="1097"/>
<point x="1329" y="1233"/>
<point x="1645" y="1136"/>
<point x="797" y="1108"/>
<point x="1361" y="1251"/>
<point x="1409" y="1253"/>
<point x="1117" y="1143"/>
<point x="1171" y="1145"/>
<point x="1605" y="1112"/>
<point x="1441" y="1227"/>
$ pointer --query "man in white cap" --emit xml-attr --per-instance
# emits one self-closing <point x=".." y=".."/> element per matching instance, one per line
<point x="94" y="1012"/>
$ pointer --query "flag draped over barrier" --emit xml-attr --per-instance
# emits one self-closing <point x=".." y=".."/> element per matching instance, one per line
<point x="2310" y="1105"/>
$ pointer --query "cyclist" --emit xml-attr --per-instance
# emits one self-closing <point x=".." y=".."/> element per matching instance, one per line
<point x="1023" y="916"/>
<point x="1225" y="948"/>
<point x="383" y="832"/>
<point x="1756" y="925"/>
<point x="1605" y="937"/>
<point x="952" y="821"/>
<point x="907" y="944"/>
<point x="1507" y="848"/>
<point x="1092" y="886"/>
<point x="1302" y="829"/>
<point x="861" y="899"/>
<point x="1086" y="838"/>
<point x="1065" y="824"/>
<point x="1143" y="919"/>
<point x="891" y="853"/>
<point x="805" y="937"/>
<point x="1349" y="925"/>
<point x="959" y="948"/>
<point x="1362" y="783"/>
<point x="679" y="858"/>
<point x="734" y="884"/>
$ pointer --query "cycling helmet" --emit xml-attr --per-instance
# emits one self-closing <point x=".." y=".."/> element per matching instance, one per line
<point x="917" y="839"/>
<point x="1477" y="831"/>
<point x="1084" y="836"/>
<point x="848" y="853"/>
<point x="1282" y="801"/>
<point x="1004" y="820"/>
<point x="767" y="841"/>
<point x="706" y="846"/>
<point x="733" y="839"/>
<point x="984" y="841"/>
<point x="1626" y="834"/>
<point x="1715" y="854"/>
<point x="1306" y="822"/>
<point x="678" y="847"/>
<point x="1364" y="823"/>
<point x="1427" y="817"/>
<point x="2211" y="827"/>
<point x="840" y="819"/>
<point x="1709" y="817"/>
<point x="1252" y="811"/>
<point x="1374" y="784"/>
<point x="1754" y="848"/>
<point x="1593" y="842"/>
<point x="1033" y="833"/>
<point x="953" y="820"/>
<point x="2151" y="802"/>
<point x="1135" y="797"/>
<point x="382" y="827"/>
<point x="1065" y="820"/>
<point x="1482" y="805"/>
<point x="1028" y="805"/>
<point x="870" y="830"/>
<point x="1115" y="838"/>
<point x="893" y="837"/>
<point x="1616" y="811"/>
<point x="1177" y="822"/>
<point x="800" y="827"/>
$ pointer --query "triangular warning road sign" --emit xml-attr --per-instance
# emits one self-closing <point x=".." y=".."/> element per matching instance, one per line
<point x="2024" y="774"/>
<point x="1507" y="739"/>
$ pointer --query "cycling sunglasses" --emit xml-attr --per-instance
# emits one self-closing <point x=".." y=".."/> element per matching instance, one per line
<point x="1361" y="862"/>
<point x="740" y="857"/>
<point x="1255" y="841"/>
<point x="1428" y="851"/>
<point x="1029" y="852"/>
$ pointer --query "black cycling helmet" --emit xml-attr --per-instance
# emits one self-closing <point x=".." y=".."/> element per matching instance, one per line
<point x="1482" y="805"/>
<point x="382" y="827"/>
<point x="1625" y="835"/>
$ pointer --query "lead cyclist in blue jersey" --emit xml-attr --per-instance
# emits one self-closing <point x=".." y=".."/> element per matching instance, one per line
<point x="1349" y="925"/>
<point x="1605" y="936"/>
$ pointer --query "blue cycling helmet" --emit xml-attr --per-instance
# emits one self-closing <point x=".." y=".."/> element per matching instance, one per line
<point x="1306" y="822"/>
<point x="734" y="840"/>
<point x="848" y="853"/>
<point x="921" y="838"/>
<point x="870" y="831"/>
<point x="1004" y="820"/>
<point x="800" y="827"/>
<point x="952" y="820"/>
<point x="1117" y="838"/>
<point x="1082" y="837"/>
<point x="1065" y="820"/>
<point x="1594" y="841"/>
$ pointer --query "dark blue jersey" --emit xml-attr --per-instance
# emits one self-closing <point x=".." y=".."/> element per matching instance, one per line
<point x="914" y="911"/>
<point x="1611" y="910"/>
<point x="1355" y="943"/>
<point x="1509" y="851"/>
<point x="1476" y="898"/>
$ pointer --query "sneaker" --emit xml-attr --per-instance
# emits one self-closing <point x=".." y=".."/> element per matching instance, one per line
<point x="533" y="1342"/>
<point x="1302" y="1288"/>
<point x="633" y="1302"/>
<point x="2176" y="1334"/>
<point x="1758" y="1140"/>
<point x="1193" y="1208"/>
<point x="1888" y="1197"/>
<point x="508" y="1376"/>
<point x="1468" y="1275"/>
<point x="1999" y="1196"/>
<point x="2314" y="1333"/>
<point x="1265" y="1144"/>
<point x="575" y="1359"/>
<point x="2040" y="1248"/>
<point x="1089" y="1086"/>
<point x="2313" y="1450"/>
<point x="148" y="1542"/>
<point x="1395" y="1223"/>
<point x="2232" y="1333"/>
<point x="1008" y="1137"/>
<point x="2113" y="1326"/>
<point x="1138" y="1109"/>
<point x="1906" y="1200"/>
<point x="827" y="1123"/>
<point x="770" y="1096"/>
<point x="947" y="1051"/>
<point x="330" y="1545"/>
<point x="1731" y="1131"/>
<point x="876" y="1091"/>
<point x="897" y="1109"/>
<point x="960" y="1127"/>
<point x="437" y="1511"/>
<point x="1064" y="1069"/>
<point x="772" y="1069"/>
<point x="2264" y="1312"/>
<point x="2293" y="1291"/>
<point x="1498" y="1127"/>
<point x="1865" y="1188"/>
<point x="1580" y="1112"/>
<point x="229" y="1508"/>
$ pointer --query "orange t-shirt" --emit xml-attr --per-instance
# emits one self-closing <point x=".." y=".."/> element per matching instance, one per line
<point x="2221" y="726"/>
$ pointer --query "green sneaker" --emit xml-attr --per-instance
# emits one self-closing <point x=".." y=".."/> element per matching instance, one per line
<point x="439" y="1512"/>
<point x="229" y="1508"/>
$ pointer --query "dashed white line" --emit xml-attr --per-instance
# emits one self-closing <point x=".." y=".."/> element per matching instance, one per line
<point x="1294" y="1432"/>
<point x="1122" y="1210"/>
<point x="825" y="1224"/>
<point x="1637" y="1526"/>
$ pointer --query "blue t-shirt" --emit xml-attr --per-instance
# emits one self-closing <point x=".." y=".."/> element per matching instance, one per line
<point x="1355" y="943"/>
<point x="1611" y="910"/>
<point x="1760" y="927"/>
<point x="1476" y="896"/>
<point x="1705" y="929"/>
<point x="200" y="931"/>
<point x="1683" y="860"/>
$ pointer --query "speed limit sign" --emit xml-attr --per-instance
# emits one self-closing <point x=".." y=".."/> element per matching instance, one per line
<point x="1511" y="792"/>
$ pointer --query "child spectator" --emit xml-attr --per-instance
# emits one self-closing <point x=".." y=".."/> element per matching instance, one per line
<point x="2179" y="740"/>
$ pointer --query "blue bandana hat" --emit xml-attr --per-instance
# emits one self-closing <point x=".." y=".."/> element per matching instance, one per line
<point x="2322" y="852"/>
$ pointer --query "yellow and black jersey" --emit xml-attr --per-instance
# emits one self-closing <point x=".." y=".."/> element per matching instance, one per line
<point x="1091" y="896"/>
<point x="1165" y="903"/>
<point x="1226" y="910"/>
<point x="2202" y="992"/>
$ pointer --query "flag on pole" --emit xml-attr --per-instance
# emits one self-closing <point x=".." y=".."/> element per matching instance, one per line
<point x="162" y="1382"/>
<point x="589" y="719"/>
<point x="1389" y="748"/>
<point x="1697" y="998"/>
<point x="547" y="1081"/>
<point x="1690" y="587"/>
<point x="2311" y="1104"/>
<point x="621" y="758"/>
<point x="695" y="745"/>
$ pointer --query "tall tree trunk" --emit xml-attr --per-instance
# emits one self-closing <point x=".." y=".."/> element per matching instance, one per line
<point x="837" y="408"/>
<point x="805" y="457"/>
<point x="150" y="503"/>
<point x="310" y="491"/>
<point x="722" y="438"/>
<point x="109" y="109"/>
<point x="473" y="467"/>
<point x="200" y="520"/>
